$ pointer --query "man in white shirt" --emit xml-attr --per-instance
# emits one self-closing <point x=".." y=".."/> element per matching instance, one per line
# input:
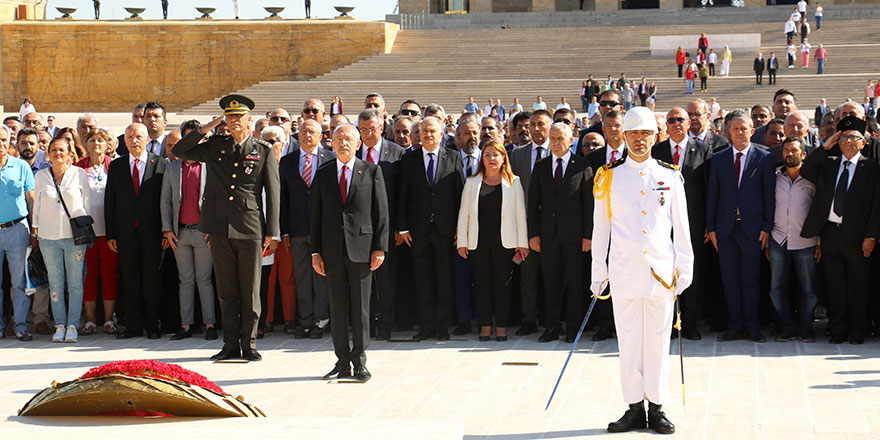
<point x="563" y="104"/>
<point x="539" y="104"/>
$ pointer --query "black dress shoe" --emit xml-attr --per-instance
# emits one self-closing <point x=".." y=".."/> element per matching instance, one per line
<point x="485" y="338"/>
<point x="856" y="340"/>
<point x="527" y="328"/>
<point x="462" y="328"/>
<point x="130" y="333"/>
<point x="182" y="334"/>
<point x="301" y="333"/>
<point x="501" y="338"/>
<point x="421" y="336"/>
<point x="729" y="336"/>
<point x="338" y="372"/>
<point x="316" y="332"/>
<point x="691" y="334"/>
<point x="442" y="335"/>
<point x="837" y="340"/>
<point x="658" y="421"/>
<point x="361" y="373"/>
<point x="383" y="334"/>
<point x="604" y="333"/>
<point x="153" y="334"/>
<point x="786" y="336"/>
<point x="807" y="336"/>
<point x="570" y="337"/>
<point x="757" y="337"/>
<point x="227" y="353"/>
<point x="633" y="418"/>
<point x="261" y="334"/>
<point x="550" y="334"/>
<point x="252" y="355"/>
<point x="210" y="334"/>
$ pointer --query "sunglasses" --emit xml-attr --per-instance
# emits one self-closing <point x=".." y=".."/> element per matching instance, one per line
<point x="676" y="120"/>
<point x="593" y="144"/>
<point x="564" y="121"/>
<point x="313" y="111"/>
<point x="609" y="103"/>
<point x="279" y="118"/>
<point x="408" y="112"/>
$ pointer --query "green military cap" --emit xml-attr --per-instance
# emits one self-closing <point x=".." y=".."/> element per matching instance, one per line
<point x="236" y="104"/>
<point x="852" y="123"/>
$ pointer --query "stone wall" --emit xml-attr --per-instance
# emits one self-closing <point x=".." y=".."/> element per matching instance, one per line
<point x="11" y="10"/>
<point x="108" y="66"/>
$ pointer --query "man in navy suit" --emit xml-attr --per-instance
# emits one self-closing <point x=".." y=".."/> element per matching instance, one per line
<point x="298" y="169"/>
<point x="377" y="150"/>
<point x="740" y="206"/>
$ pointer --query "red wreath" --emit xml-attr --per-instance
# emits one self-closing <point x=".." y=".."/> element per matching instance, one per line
<point x="155" y="369"/>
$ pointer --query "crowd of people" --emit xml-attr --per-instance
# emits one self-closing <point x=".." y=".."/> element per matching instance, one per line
<point x="499" y="235"/>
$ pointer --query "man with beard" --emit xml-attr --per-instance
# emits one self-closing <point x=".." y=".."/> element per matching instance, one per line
<point x="519" y="136"/>
<point x="467" y="139"/>
<point x="642" y="248"/>
<point x="490" y="130"/>
<point x="794" y="197"/>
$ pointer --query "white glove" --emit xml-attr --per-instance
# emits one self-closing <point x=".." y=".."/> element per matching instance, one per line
<point x="597" y="287"/>
<point x="681" y="285"/>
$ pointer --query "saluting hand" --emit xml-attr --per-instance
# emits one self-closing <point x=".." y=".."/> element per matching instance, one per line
<point x="831" y="141"/>
<point x="210" y="125"/>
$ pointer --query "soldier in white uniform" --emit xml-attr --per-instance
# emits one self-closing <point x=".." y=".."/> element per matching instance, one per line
<point x="642" y="213"/>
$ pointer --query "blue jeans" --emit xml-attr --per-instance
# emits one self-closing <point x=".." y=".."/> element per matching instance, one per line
<point x="690" y="85"/>
<point x="820" y="66"/>
<point x="13" y="244"/>
<point x="804" y="262"/>
<point x="63" y="256"/>
<point x="819" y="22"/>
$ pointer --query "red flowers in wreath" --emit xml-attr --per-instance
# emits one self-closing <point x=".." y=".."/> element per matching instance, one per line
<point x="155" y="369"/>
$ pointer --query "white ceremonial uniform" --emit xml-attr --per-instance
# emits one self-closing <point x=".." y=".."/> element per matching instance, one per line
<point x="647" y="229"/>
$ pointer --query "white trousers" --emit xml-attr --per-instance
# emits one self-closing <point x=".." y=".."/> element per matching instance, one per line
<point x="643" y="329"/>
<point x="725" y="68"/>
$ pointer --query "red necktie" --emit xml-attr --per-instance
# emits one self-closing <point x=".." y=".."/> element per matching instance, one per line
<point x="370" y="155"/>
<point x="676" y="155"/>
<point x="613" y="155"/>
<point x="307" y="170"/>
<point x="343" y="187"/>
<point x="136" y="178"/>
<point x="736" y="167"/>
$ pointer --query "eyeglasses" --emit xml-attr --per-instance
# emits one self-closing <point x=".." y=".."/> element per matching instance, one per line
<point x="675" y="120"/>
<point x="852" y="137"/>
<point x="564" y="121"/>
<point x="406" y="112"/>
<point x="696" y="114"/>
<point x="369" y="130"/>
<point x="609" y="103"/>
<point x="313" y="111"/>
<point x="279" y="118"/>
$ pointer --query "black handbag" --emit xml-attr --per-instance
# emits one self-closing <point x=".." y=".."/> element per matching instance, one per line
<point x="81" y="226"/>
<point x="36" y="265"/>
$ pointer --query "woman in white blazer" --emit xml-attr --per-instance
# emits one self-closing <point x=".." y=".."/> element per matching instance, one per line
<point x="493" y="200"/>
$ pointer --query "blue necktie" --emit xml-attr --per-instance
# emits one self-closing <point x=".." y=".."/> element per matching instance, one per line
<point x="840" y="190"/>
<point x="431" y="170"/>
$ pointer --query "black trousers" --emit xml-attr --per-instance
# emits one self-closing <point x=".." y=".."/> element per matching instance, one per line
<point x="492" y="267"/>
<point x="711" y="69"/>
<point x="703" y="81"/>
<point x="759" y="76"/>
<point x="847" y="281"/>
<point x="237" y="268"/>
<point x="432" y="264"/>
<point x="692" y="298"/>
<point x="348" y="286"/>
<point x="771" y="74"/>
<point x="680" y="66"/>
<point x="139" y="269"/>
<point x="529" y="275"/>
<point x="385" y="289"/>
<point x="562" y="264"/>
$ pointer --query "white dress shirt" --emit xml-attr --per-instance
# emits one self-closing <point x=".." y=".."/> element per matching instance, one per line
<point x="302" y="162"/>
<point x="339" y="165"/>
<point x="155" y="146"/>
<point x="742" y="161"/>
<point x="475" y="161"/>
<point x="682" y="149"/>
<point x="535" y="157"/>
<point x="619" y="151"/>
<point x="141" y="164"/>
<point x="564" y="163"/>
<point x="377" y="151"/>
<point x="832" y="217"/>
<point x="48" y="212"/>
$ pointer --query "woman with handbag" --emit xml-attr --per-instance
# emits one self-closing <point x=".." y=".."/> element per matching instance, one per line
<point x="61" y="194"/>
<point x="101" y="263"/>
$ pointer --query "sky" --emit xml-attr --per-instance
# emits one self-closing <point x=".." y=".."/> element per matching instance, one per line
<point x="250" y="9"/>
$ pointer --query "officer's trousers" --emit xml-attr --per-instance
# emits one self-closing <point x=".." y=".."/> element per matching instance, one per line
<point x="643" y="326"/>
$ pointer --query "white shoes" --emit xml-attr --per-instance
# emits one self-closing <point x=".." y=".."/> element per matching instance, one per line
<point x="59" y="334"/>
<point x="71" y="334"/>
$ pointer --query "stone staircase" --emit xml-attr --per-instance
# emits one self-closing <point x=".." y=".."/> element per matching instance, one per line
<point x="447" y="66"/>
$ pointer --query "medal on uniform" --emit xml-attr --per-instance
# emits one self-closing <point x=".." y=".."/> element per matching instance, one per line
<point x="662" y="200"/>
<point x="248" y="170"/>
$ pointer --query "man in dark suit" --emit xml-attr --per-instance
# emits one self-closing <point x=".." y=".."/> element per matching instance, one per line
<point x="137" y="117"/>
<point x="846" y="216"/>
<point x="377" y="150"/>
<point x="535" y="128"/>
<point x="740" y="205"/>
<point x="297" y="170"/>
<point x="560" y="226"/>
<point x="134" y="230"/>
<point x="609" y="100"/>
<point x="820" y="112"/>
<point x="698" y="112"/>
<point x="240" y="169"/>
<point x="350" y="197"/>
<point x="759" y="67"/>
<point x="615" y="150"/>
<point x="692" y="157"/>
<point x="772" y="67"/>
<point x="428" y="198"/>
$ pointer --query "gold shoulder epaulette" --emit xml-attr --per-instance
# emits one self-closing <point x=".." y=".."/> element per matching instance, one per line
<point x="668" y="165"/>
<point x="263" y="143"/>
<point x="617" y="162"/>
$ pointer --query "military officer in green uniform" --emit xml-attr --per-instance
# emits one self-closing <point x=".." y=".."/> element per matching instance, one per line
<point x="240" y="169"/>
